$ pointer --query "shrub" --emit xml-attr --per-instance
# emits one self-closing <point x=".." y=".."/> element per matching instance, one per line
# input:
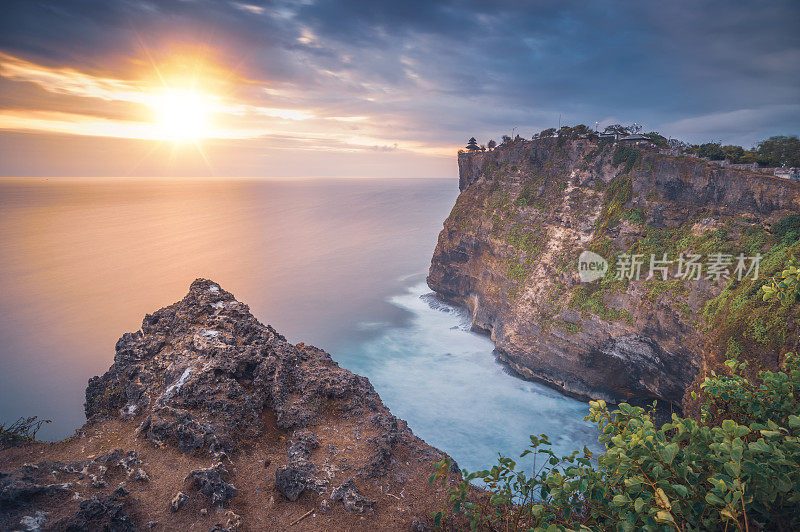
<point x="786" y="286"/>
<point x="738" y="467"/>
<point x="684" y="475"/>
<point x="625" y="154"/>
<point x="787" y="228"/>
<point x="21" y="431"/>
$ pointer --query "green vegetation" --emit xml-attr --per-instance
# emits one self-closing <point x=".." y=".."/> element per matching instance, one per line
<point x="21" y="431"/>
<point x="739" y="314"/>
<point x="786" y="286"/>
<point x="579" y="131"/>
<point x="590" y="299"/>
<point x="571" y="328"/>
<point x="657" y="139"/>
<point x="788" y="228"/>
<point x="617" y="195"/>
<point x="779" y="151"/>
<point x="737" y="468"/>
<point x="776" y="151"/>
<point x="625" y="154"/>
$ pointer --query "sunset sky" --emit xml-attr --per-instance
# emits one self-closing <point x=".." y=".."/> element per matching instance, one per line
<point x="373" y="89"/>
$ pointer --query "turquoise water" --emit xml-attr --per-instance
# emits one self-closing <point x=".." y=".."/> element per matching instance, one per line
<point x="433" y="371"/>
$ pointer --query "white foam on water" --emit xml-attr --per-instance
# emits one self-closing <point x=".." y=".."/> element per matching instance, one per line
<point x="445" y="381"/>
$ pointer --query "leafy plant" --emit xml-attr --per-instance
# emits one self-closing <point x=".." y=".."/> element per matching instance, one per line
<point x="785" y="286"/>
<point x="738" y="467"/>
<point x="684" y="475"/>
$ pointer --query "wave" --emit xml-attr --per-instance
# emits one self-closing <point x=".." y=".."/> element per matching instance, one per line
<point x="444" y="380"/>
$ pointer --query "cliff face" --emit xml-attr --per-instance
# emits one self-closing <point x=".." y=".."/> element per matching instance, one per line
<point x="210" y="420"/>
<point x="509" y="252"/>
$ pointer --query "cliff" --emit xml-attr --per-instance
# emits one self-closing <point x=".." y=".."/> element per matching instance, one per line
<point x="509" y="252"/>
<point x="210" y="420"/>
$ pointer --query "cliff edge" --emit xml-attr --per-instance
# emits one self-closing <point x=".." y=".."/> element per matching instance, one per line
<point x="209" y="420"/>
<point x="509" y="252"/>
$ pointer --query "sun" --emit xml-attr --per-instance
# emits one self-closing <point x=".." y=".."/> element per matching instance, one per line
<point x="181" y="114"/>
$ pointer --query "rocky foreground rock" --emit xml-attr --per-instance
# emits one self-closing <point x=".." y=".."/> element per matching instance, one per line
<point x="211" y="420"/>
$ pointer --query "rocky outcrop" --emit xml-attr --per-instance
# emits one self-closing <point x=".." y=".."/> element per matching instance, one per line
<point x="185" y="426"/>
<point x="509" y="252"/>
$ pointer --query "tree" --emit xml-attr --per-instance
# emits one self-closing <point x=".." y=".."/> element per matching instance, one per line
<point x="779" y="151"/>
<point x="657" y="139"/>
<point x="472" y="145"/>
<point x="676" y="144"/>
<point x="491" y="144"/>
<point x="506" y="139"/>
<point x="711" y="150"/>
<point x="547" y="132"/>
<point x="617" y="129"/>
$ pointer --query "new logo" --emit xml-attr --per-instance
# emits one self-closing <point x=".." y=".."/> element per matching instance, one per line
<point x="591" y="266"/>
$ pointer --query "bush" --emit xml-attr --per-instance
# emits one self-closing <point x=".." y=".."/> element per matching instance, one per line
<point x="787" y="228"/>
<point x="711" y="150"/>
<point x="738" y="467"/>
<point x="625" y="154"/>
<point x="684" y="475"/>
<point x="21" y="431"/>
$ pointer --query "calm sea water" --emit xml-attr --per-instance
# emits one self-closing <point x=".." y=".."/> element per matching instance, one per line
<point x="336" y="263"/>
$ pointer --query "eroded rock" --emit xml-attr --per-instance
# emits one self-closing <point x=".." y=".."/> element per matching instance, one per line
<point x="106" y="512"/>
<point x="353" y="501"/>
<point x="210" y="482"/>
<point x="178" y="501"/>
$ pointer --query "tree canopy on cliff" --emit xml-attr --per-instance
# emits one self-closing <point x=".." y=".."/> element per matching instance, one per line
<point x="779" y="151"/>
<point x="617" y="129"/>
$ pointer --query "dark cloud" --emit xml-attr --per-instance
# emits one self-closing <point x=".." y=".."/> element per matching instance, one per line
<point x="440" y="71"/>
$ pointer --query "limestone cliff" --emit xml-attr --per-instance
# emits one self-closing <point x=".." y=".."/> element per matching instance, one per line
<point x="509" y="250"/>
<point x="209" y="420"/>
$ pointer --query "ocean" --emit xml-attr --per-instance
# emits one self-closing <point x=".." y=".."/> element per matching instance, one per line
<point x="337" y="263"/>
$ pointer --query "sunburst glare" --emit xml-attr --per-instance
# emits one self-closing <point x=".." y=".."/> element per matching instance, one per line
<point x="182" y="114"/>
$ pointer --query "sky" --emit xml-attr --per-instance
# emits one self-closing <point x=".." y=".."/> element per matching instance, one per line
<point x="374" y="88"/>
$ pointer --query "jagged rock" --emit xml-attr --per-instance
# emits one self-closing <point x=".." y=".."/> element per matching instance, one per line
<point x="292" y="481"/>
<point x="234" y="520"/>
<point x="106" y="512"/>
<point x="299" y="473"/>
<point x="353" y="501"/>
<point x="18" y="488"/>
<point x="210" y="482"/>
<point x="201" y="372"/>
<point x="33" y="523"/>
<point x="204" y="376"/>
<point x="139" y="475"/>
<point x="178" y="501"/>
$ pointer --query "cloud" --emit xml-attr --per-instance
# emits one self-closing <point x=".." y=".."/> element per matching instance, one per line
<point x="417" y="74"/>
